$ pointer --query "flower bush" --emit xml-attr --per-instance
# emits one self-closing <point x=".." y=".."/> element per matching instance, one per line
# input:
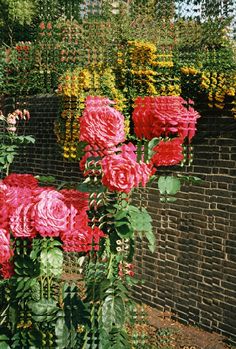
<point x="96" y="220"/>
<point x="33" y="211"/>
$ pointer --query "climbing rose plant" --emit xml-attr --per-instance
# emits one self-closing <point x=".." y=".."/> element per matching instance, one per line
<point x="96" y="219"/>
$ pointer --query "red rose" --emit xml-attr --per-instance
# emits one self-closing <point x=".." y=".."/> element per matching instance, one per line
<point x="75" y="198"/>
<point x="7" y="270"/>
<point x="21" y="181"/>
<point x="94" y="152"/>
<point x="76" y="230"/>
<point x="162" y="116"/>
<point x="4" y="211"/>
<point x="83" y="238"/>
<point x="168" y="153"/>
<point x="101" y="125"/>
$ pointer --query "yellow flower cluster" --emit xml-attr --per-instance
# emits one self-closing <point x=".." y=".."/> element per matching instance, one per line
<point x="168" y="89"/>
<point x="67" y="129"/>
<point x="108" y="88"/>
<point x="142" y="53"/>
<point x="142" y="59"/>
<point x="218" y="86"/>
<point x="151" y="73"/>
<point x="189" y="70"/>
<point x="71" y="137"/>
<point x="164" y="61"/>
<point x="74" y="82"/>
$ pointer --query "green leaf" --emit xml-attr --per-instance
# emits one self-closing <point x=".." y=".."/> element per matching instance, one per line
<point x="171" y="199"/>
<point x="191" y="179"/>
<point x="46" y="179"/>
<point x="44" y="310"/>
<point x="113" y="312"/>
<point x="168" y="185"/>
<point x="172" y="185"/>
<point x="120" y="214"/>
<point x="140" y="219"/>
<point x="151" y="145"/>
<point x="162" y="184"/>
<point x="152" y="241"/>
<point x="29" y="139"/>
<point x="51" y="261"/>
<point x="61" y="332"/>
<point x="124" y="229"/>
<point x="10" y="158"/>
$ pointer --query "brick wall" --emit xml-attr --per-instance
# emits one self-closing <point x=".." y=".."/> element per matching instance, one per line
<point x="193" y="271"/>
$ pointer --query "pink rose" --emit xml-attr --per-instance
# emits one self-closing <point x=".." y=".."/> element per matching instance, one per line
<point x="5" y="250"/>
<point x="145" y="172"/>
<point x="18" y="189"/>
<point x="129" y="150"/>
<point x="120" y="173"/>
<point x="16" y="196"/>
<point x="101" y="125"/>
<point x="50" y="213"/>
<point x="21" y="222"/>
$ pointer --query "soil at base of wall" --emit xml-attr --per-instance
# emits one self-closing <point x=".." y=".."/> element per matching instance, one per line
<point x="175" y="335"/>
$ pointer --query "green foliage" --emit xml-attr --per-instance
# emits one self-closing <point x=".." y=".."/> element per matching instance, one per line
<point x="16" y="20"/>
<point x="51" y="261"/>
<point x="76" y="316"/>
<point x="118" y="339"/>
<point x="10" y="145"/>
<point x="130" y="219"/>
<point x="190" y="179"/>
<point x="21" y="11"/>
<point x="7" y="155"/>
<point x="114" y="304"/>
<point x="46" y="179"/>
<point x="165" y="338"/>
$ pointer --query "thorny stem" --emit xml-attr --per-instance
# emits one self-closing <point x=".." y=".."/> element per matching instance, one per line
<point x="110" y="268"/>
<point x="7" y="169"/>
